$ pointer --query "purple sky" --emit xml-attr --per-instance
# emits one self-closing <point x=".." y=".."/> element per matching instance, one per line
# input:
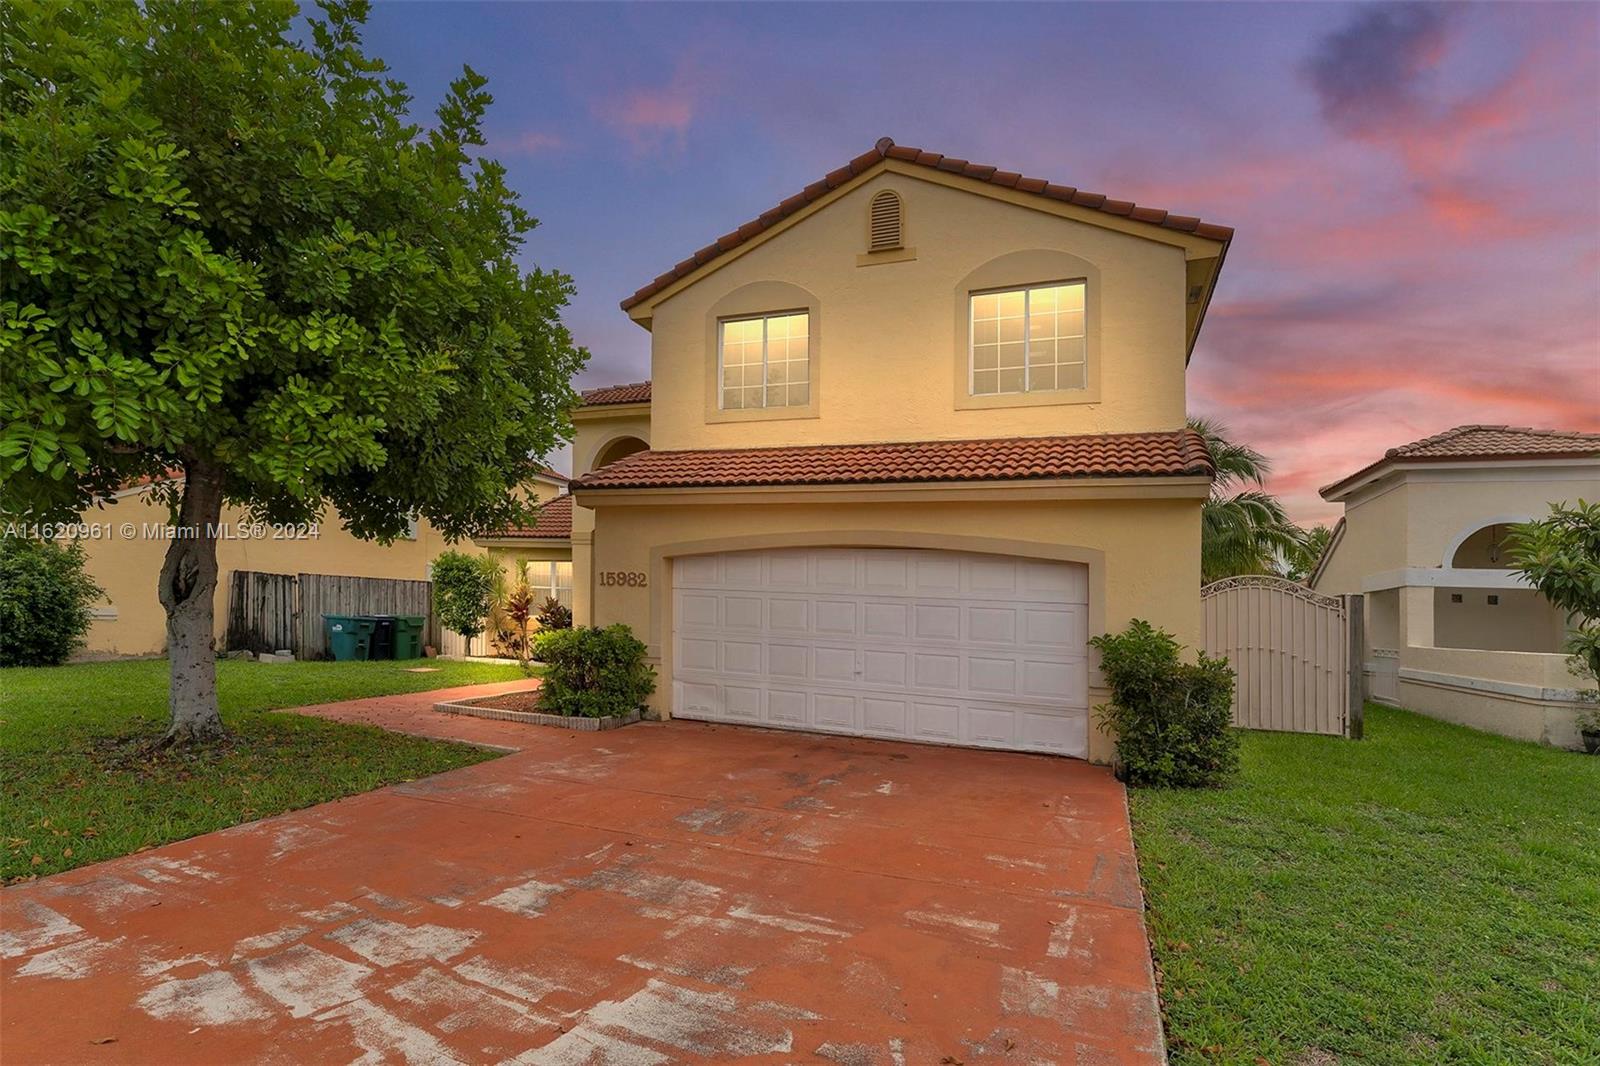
<point x="1415" y="189"/>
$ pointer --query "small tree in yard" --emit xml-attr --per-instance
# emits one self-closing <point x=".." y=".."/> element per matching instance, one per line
<point x="463" y="590"/>
<point x="44" y="601"/>
<point x="1560" y="556"/>
<point x="231" y="263"/>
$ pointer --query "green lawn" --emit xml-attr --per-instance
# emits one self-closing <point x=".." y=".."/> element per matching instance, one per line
<point x="1428" y="895"/>
<point x="78" y="783"/>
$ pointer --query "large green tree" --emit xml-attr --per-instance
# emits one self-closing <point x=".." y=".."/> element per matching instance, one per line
<point x="230" y="262"/>
<point x="1243" y="528"/>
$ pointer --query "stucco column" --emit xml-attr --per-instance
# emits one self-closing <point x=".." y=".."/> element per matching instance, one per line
<point x="582" y="566"/>
<point x="1416" y="617"/>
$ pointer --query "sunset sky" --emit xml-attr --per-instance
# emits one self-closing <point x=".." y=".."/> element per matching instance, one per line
<point x="1415" y="189"/>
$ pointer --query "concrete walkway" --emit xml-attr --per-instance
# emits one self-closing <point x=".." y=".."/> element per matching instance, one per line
<point x="661" y="893"/>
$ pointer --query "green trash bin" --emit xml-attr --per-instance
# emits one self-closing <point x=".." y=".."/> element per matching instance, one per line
<point x="408" y="636"/>
<point x="345" y="639"/>
<point x="366" y="626"/>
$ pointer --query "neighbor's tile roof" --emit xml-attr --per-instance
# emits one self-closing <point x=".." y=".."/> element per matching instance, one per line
<point x="633" y="392"/>
<point x="887" y="149"/>
<point x="1484" y="442"/>
<point x="553" y="475"/>
<point x="1174" y="454"/>
<point x="553" y="523"/>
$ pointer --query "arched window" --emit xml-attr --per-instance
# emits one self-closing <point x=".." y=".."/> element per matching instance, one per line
<point x="885" y="222"/>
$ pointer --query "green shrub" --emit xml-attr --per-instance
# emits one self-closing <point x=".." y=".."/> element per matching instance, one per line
<point x="592" y="673"/>
<point x="44" y="601"/>
<point x="463" y="588"/>
<point x="1173" y="720"/>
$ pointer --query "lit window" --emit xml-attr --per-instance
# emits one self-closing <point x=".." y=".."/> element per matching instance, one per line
<point x="548" y="579"/>
<point x="1028" y="340"/>
<point x="766" y="361"/>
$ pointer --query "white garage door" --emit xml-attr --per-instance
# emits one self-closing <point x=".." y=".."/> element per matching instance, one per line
<point x="943" y="647"/>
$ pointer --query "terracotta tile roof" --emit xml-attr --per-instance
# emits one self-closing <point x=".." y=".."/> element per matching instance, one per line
<point x="1175" y="454"/>
<point x="1484" y="442"/>
<point x="553" y="523"/>
<point x="553" y="475"/>
<point x="887" y="149"/>
<point x="633" y="392"/>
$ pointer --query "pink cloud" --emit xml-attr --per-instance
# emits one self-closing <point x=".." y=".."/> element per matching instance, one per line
<point x="532" y="142"/>
<point x="655" y="119"/>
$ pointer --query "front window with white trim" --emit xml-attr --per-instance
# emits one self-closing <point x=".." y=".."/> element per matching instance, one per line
<point x="765" y="361"/>
<point x="1028" y="340"/>
<point x="550" y="578"/>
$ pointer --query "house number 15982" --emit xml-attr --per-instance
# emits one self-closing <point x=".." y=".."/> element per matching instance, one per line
<point x="634" y="579"/>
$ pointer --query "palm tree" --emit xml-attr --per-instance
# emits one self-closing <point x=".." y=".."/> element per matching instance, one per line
<point x="1243" y="530"/>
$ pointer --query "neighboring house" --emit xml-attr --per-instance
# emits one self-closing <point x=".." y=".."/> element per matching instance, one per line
<point x="912" y="438"/>
<point x="126" y="561"/>
<point x="1451" y="632"/>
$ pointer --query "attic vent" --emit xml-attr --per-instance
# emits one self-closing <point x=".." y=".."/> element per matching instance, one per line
<point x="884" y="222"/>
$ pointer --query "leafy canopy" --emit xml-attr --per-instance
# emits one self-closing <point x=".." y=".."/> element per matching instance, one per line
<point x="221" y="245"/>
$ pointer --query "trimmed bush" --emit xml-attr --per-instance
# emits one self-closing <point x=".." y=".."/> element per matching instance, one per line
<point x="592" y="673"/>
<point x="463" y="590"/>
<point x="1173" y="720"/>
<point x="44" y="601"/>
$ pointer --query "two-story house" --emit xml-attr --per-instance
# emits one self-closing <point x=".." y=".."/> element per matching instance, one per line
<point x="911" y="439"/>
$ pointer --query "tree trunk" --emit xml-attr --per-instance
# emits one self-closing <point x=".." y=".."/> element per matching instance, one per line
<point x="188" y="584"/>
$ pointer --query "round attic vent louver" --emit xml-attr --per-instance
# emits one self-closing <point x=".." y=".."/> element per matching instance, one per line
<point x="884" y="222"/>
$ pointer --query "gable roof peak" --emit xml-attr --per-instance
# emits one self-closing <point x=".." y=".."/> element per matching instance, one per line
<point x="886" y="149"/>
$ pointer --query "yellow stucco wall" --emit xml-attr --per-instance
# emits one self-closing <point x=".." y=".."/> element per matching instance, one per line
<point x="1143" y="554"/>
<point x="1416" y="520"/>
<point x="128" y="567"/>
<point x="889" y="339"/>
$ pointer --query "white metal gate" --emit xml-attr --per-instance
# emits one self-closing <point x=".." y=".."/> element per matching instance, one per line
<point x="1295" y="653"/>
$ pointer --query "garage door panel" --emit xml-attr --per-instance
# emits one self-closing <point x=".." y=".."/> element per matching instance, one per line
<point x="992" y="625"/>
<point x="834" y="570"/>
<point x="891" y="621"/>
<point x="743" y="570"/>
<point x="833" y="664"/>
<point x="992" y="675"/>
<point x="786" y="615"/>
<point x="789" y="569"/>
<point x="696" y="654"/>
<point x="936" y="671"/>
<point x="742" y="612"/>
<point x="1044" y="679"/>
<point x="885" y="666"/>
<point x="741" y="701"/>
<point x="698" y="571"/>
<point x="893" y="643"/>
<point x="936" y="574"/>
<point x="786" y="706"/>
<point x="936" y="721"/>
<point x="833" y="711"/>
<point x="887" y="573"/>
<point x="837" y="617"/>
<point x="789" y="660"/>
<point x="1064" y="628"/>
<point x="699" y="610"/>
<point x="989" y="726"/>
<point x="936" y="621"/>
<point x="885" y="717"/>
<point x="742" y="657"/>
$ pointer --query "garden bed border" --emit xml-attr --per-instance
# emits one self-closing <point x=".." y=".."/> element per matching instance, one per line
<point x="473" y="706"/>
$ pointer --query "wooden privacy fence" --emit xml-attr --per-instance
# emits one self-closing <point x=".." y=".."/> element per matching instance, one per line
<point x="267" y="612"/>
<point x="1296" y="654"/>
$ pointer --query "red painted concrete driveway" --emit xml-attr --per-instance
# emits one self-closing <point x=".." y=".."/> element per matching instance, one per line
<point x="661" y="893"/>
